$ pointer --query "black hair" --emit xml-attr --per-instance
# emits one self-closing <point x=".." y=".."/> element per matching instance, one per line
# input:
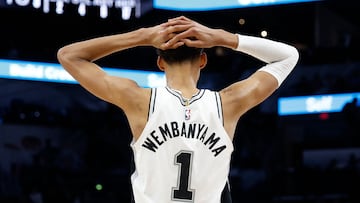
<point x="180" y="54"/>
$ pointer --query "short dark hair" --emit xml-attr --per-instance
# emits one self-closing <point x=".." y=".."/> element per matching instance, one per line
<point x="180" y="54"/>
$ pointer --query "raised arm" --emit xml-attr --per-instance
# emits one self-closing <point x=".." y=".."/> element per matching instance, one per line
<point x="280" y="59"/>
<point x="79" y="60"/>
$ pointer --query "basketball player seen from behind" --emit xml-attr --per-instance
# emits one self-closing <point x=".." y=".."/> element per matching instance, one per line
<point x="182" y="135"/>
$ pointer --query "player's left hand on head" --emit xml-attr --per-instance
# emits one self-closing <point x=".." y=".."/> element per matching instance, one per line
<point x="191" y="33"/>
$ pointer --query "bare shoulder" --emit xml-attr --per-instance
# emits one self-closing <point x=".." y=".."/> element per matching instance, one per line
<point x="243" y="95"/>
<point x="127" y="94"/>
<point x="233" y="99"/>
<point x="133" y="100"/>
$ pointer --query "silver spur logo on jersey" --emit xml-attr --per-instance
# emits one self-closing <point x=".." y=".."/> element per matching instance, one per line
<point x="173" y="130"/>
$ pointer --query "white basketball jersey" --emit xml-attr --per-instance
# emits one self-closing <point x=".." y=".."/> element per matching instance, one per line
<point x="184" y="152"/>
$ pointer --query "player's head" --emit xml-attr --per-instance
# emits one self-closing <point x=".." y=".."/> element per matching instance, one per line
<point x="180" y="54"/>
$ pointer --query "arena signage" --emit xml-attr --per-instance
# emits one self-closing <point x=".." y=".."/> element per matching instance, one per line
<point x="52" y="72"/>
<point x="127" y="7"/>
<point x="314" y="104"/>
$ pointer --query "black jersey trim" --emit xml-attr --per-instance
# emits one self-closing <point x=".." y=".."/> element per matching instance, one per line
<point x="184" y="101"/>
<point x="219" y="107"/>
<point x="197" y="96"/>
<point x="152" y="102"/>
<point x="226" y="194"/>
<point x="132" y="170"/>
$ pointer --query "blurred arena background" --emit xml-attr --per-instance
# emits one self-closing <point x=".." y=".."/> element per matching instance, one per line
<point x="59" y="144"/>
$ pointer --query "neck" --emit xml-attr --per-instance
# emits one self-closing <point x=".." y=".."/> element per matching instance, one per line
<point x="183" y="79"/>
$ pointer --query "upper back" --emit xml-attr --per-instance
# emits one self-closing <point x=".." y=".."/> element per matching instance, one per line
<point x="182" y="132"/>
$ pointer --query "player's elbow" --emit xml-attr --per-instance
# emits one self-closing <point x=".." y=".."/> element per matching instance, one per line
<point x="67" y="57"/>
<point x="294" y="55"/>
<point x="62" y="55"/>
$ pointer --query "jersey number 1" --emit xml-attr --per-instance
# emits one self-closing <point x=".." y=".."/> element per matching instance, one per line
<point x="182" y="191"/>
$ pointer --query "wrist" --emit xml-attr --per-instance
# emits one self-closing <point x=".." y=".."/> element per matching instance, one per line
<point x="143" y="37"/>
<point x="228" y="39"/>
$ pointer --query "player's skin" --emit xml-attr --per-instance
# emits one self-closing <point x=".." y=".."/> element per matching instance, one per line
<point x="79" y="60"/>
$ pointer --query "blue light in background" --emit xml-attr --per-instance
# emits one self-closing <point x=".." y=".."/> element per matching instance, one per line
<point x="313" y="104"/>
<point x="203" y="5"/>
<point x="52" y="72"/>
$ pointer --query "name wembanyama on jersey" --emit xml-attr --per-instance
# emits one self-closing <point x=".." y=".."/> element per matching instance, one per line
<point x="173" y="130"/>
